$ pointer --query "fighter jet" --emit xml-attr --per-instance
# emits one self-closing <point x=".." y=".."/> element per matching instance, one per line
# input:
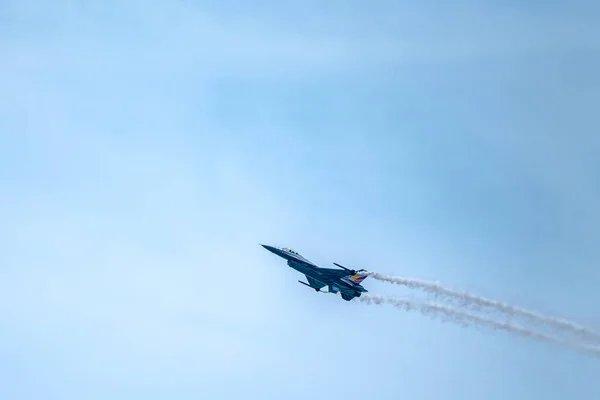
<point x="345" y="281"/>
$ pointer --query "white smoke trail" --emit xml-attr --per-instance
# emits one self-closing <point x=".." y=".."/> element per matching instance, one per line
<point x="465" y="318"/>
<point x="442" y="291"/>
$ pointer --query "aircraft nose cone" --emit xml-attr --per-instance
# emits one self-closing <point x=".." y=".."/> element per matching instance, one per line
<point x="270" y="248"/>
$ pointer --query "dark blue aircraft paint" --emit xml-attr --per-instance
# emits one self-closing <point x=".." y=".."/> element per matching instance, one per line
<point x="345" y="280"/>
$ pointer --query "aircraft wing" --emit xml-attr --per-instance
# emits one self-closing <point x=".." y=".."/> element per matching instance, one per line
<point x="332" y="272"/>
<point x="315" y="283"/>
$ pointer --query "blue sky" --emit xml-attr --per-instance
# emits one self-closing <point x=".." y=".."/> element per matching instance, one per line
<point x="147" y="148"/>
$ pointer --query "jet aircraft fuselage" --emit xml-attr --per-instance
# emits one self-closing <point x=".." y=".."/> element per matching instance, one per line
<point x="345" y="281"/>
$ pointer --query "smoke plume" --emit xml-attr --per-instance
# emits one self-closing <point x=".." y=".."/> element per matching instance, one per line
<point x="467" y="318"/>
<point x="559" y="325"/>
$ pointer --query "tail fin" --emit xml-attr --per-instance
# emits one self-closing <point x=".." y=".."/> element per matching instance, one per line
<point x="358" y="278"/>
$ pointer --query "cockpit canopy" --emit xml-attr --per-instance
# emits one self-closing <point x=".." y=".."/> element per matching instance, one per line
<point x="289" y="250"/>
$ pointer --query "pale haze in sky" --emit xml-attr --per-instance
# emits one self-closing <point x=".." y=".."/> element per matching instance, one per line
<point x="147" y="148"/>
